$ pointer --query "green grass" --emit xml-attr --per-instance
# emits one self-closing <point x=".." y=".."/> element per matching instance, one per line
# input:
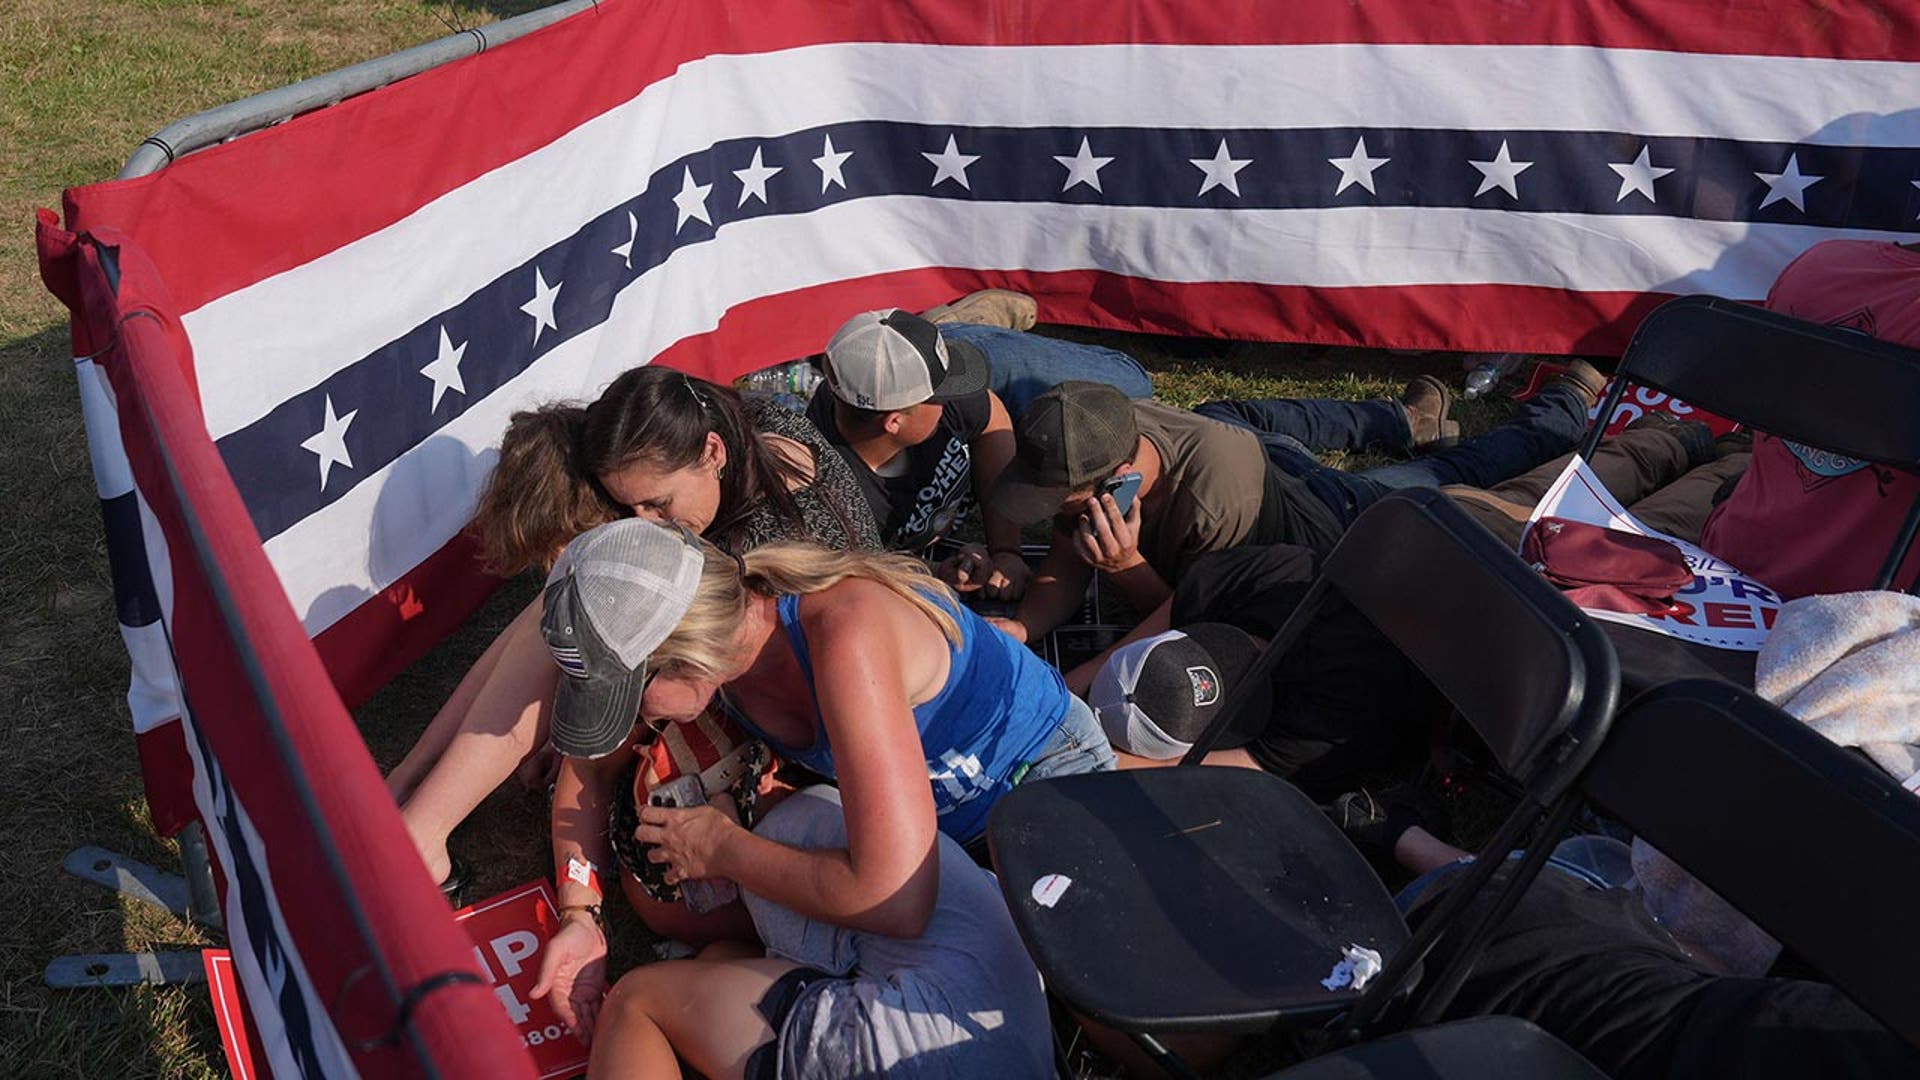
<point x="80" y="85"/>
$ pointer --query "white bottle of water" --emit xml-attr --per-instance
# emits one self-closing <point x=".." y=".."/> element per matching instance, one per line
<point x="1488" y="373"/>
<point x="790" y="384"/>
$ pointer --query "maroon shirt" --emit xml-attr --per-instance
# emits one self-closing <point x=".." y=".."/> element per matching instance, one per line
<point x="1802" y="520"/>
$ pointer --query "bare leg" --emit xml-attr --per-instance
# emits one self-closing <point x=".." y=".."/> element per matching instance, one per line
<point x="705" y="1010"/>
<point x="727" y="924"/>
<point x="1158" y="621"/>
<point x="440" y="731"/>
<point x="1420" y="851"/>
<point x="1235" y="757"/>
<point x="507" y="721"/>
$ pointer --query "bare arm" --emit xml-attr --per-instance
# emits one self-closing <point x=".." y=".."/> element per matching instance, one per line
<point x="582" y="796"/>
<point x="867" y="645"/>
<point x="1080" y="679"/>
<point x="1059" y="586"/>
<point x="992" y="449"/>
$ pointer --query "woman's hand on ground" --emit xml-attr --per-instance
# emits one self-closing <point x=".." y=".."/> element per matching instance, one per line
<point x="687" y="840"/>
<point x="573" y="971"/>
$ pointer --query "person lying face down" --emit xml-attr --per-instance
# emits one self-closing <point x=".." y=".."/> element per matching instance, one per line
<point x="912" y="414"/>
<point x="1157" y="696"/>
<point x="860" y="666"/>
<point x="1233" y="474"/>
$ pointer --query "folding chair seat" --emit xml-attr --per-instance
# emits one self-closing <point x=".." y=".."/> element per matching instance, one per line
<point x="1239" y="905"/>
<point x="1488" y="1046"/>
<point x="1218" y="899"/>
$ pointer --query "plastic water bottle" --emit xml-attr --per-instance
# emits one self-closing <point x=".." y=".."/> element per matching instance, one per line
<point x="790" y="384"/>
<point x="1488" y="373"/>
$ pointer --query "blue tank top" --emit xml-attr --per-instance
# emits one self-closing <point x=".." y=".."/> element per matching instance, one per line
<point x="1000" y="705"/>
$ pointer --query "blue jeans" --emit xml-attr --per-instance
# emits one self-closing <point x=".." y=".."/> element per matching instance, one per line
<point x="1549" y="424"/>
<point x="1078" y="745"/>
<point x="1024" y="365"/>
<point x="1595" y="861"/>
<point x="1320" y="424"/>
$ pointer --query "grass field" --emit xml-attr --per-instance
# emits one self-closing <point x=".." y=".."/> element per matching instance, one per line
<point x="80" y="85"/>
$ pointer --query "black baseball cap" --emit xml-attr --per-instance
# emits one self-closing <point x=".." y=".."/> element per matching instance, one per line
<point x="1070" y="438"/>
<point x="1156" y="696"/>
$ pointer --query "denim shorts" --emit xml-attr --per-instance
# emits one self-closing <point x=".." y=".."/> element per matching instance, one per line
<point x="1078" y="745"/>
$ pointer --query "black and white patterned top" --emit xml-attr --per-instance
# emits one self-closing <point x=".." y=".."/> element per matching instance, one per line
<point x="833" y="510"/>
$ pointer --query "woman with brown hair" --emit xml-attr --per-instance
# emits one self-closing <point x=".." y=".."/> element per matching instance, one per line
<point x="659" y="445"/>
<point x="664" y="446"/>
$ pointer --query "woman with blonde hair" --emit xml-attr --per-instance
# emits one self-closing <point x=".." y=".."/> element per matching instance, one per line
<point x="659" y="445"/>
<point x="861" y="666"/>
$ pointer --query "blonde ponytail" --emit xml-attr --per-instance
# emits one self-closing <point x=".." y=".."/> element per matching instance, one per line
<point x="703" y="641"/>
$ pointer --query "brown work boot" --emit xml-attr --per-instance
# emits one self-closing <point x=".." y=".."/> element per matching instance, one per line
<point x="989" y="307"/>
<point x="1427" y="402"/>
<point x="1585" y="378"/>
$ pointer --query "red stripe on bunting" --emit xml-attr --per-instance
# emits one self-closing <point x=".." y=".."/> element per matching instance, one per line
<point x="1533" y="319"/>
<point x="276" y="724"/>
<point x="166" y="772"/>
<point x="297" y="191"/>
<point x="382" y="637"/>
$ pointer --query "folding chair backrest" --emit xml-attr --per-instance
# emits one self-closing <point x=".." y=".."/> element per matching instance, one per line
<point x="1838" y="390"/>
<point x="1533" y="675"/>
<point x="1808" y="839"/>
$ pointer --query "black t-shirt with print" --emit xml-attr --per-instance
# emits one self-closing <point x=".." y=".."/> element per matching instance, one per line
<point x="921" y="504"/>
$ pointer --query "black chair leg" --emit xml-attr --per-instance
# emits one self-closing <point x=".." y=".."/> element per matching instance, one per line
<point x="1164" y="1057"/>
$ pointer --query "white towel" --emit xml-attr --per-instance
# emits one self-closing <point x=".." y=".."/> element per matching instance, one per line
<point x="1848" y="666"/>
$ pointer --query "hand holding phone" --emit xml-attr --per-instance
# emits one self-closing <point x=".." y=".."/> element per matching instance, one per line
<point x="1124" y="488"/>
<point x="1109" y="534"/>
<point x="700" y="895"/>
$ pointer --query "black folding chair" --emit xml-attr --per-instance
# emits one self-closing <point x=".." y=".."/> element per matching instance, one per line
<point x="1835" y="389"/>
<point x="1210" y="899"/>
<point x="1805" y="837"/>
<point x="1489" y="1046"/>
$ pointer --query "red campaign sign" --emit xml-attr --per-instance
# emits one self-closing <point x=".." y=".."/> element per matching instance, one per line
<point x="1635" y="403"/>
<point x="508" y="932"/>
<point x="223" y="986"/>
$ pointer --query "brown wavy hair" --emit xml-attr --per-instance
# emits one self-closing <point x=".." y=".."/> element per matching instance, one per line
<point x="545" y="490"/>
<point x="537" y="498"/>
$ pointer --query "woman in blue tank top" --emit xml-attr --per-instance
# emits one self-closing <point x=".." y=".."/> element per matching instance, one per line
<point x="866" y="669"/>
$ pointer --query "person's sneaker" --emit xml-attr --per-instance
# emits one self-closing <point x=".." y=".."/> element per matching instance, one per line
<point x="1695" y="436"/>
<point x="1377" y="821"/>
<point x="1427" y="402"/>
<point x="989" y="307"/>
<point x="1583" y="377"/>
